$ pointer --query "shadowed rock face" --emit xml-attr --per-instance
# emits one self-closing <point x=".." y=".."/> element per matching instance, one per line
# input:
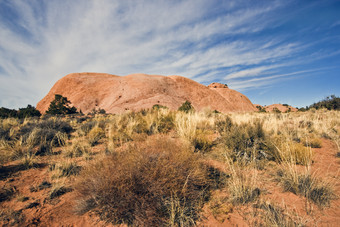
<point x="116" y="94"/>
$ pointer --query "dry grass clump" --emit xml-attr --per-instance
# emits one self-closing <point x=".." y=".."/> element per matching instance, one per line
<point x="64" y="169"/>
<point x="86" y="127"/>
<point x="220" y="208"/>
<point x="8" y="128"/>
<point x="311" y="141"/>
<point x="196" y="128"/>
<point x="242" y="184"/>
<point x="79" y="147"/>
<point x="95" y="134"/>
<point x="29" y="161"/>
<point x="270" y="214"/>
<point x="287" y="151"/>
<point x="5" y="153"/>
<point x="58" y="189"/>
<point x="159" y="183"/>
<point x="306" y="184"/>
<point x="32" y="136"/>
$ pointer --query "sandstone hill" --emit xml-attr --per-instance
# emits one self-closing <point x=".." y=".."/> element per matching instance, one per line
<point x="116" y="94"/>
<point x="281" y="107"/>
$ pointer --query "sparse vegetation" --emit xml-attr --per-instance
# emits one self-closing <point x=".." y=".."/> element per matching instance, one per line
<point x="261" y="109"/>
<point x="162" y="167"/>
<point x="330" y="103"/>
<point x="306" y="184"/>
<point x="29" y="111"/>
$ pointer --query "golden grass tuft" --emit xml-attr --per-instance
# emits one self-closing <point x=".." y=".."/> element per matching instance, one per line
<point x="95" y="134"/>
<point x="63" y="168"/>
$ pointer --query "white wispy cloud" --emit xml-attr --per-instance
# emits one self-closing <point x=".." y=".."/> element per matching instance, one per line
<point x="46" y="40"/>
<point x="266" y="80"/>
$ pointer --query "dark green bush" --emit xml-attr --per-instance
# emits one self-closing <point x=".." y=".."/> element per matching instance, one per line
<point x="56" y="124"/>
<point x="29" y="111"/>
<point x="330" y="103"/>
<point x="157" y="107"/>
<point x="186" y="107"/>
<point x="4" y="133"/>
<point x="224" y="125"/>
<point x="61" y="105"/>
<point x="247" y="141"/>
<point x="261" y="109"/>
<point x="6" y="113"/>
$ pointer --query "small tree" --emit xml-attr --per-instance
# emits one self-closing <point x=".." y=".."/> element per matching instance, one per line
<point x="61" y="105"/>
<point x="158" y="107"/>
<point x="261" y="109"/>
<point x="6" y="113"/>
<point x="186" y="107"/>
<point x="29" y="111"/>
<point x="276" y="110"/>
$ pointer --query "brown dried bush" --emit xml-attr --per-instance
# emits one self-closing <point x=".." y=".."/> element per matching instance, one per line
<point x="160" y="183"/>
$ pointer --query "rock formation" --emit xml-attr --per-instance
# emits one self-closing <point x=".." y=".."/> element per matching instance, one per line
<point x="281" y="107"/>
<point x="116" y="94"/>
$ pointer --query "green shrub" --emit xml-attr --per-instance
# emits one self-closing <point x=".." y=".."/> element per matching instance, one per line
<point x="29" y="111"/>
<point x="60" y="105"/>
<point x="330" y="103"/>
<point x="261" y="109"/>
<point x="247" y="141"/>
<point x="7" y="113"/>
<point x="186" y="107"/>
<point x="224" y="125"/>
<point x="158" y="107"/>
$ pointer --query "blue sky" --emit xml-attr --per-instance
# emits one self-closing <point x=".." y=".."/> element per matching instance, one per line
<point x="272" y="51"/>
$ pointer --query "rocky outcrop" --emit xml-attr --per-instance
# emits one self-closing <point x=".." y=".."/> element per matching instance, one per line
<point x="116" y="94"/>
<point x="274" y="107"/>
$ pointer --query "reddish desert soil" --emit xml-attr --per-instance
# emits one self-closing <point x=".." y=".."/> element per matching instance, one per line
<point x="326" y="167"/>
<point x="116" y="94"/>
<point x="60" y="211"/>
